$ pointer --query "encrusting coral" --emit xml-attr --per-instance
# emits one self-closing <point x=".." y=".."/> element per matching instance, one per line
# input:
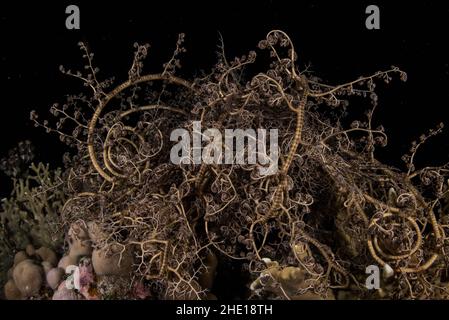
<point x="289" y="282"/>
<point x="54" y="277"/>
<point x="28" y="273"/>
<point x="27" y="277"/>
<point x="112" y="260"/>
<point x="38" y="273"/>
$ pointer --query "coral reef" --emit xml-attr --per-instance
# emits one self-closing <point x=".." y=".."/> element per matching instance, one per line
<point x="140" y="227"/>
<point x="30" y="216"/>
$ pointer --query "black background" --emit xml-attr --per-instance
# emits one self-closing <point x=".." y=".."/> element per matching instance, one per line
<point x="329" y="35"/>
